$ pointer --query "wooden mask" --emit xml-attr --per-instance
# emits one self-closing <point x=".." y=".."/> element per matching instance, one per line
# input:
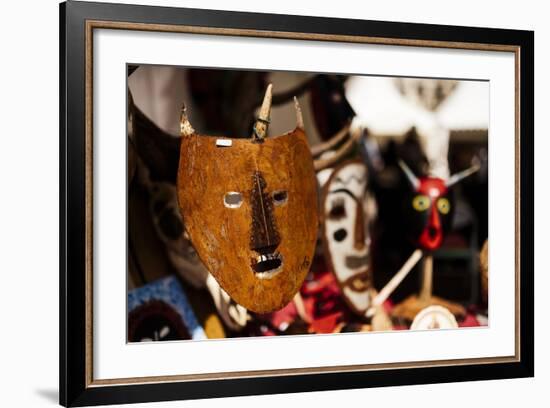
<point x="250" y="207"/>
<point x="345" y="232"/>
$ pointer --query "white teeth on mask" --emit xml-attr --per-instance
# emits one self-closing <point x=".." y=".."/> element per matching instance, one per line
<point x="268" y="257"/>
<point x="271" y="273"/>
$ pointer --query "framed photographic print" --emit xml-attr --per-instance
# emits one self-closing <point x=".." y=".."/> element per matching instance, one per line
<point x="255" y="203"/>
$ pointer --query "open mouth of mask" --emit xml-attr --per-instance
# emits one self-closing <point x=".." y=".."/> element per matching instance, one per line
<point x="267" y="266"/>
<point x="356" y="262"/>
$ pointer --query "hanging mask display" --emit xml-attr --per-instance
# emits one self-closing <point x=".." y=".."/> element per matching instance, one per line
<point x="250" y="208"/>
<point x="345" y="232"/>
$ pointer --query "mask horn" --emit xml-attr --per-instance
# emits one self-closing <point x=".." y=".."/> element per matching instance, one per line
<point x="260" y="127"/>
<point x="410" y="175"/>
<point x="185" y="127"/>
<point x="455" y="178"/>
<point x="299" y="117"/>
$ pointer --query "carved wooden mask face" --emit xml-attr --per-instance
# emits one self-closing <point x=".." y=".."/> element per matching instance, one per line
<point x="345" y="232"/>
<point x="251" y="211"/>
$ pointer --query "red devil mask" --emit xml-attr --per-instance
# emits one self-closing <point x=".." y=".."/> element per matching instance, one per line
<point x="430" y="208"/>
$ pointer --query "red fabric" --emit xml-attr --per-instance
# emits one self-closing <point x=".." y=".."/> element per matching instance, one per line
<point x="325" y="309"/>
<point x="469" y="321"/>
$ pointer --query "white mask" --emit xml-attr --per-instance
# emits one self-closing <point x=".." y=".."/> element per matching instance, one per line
<point x="345" y="232"/>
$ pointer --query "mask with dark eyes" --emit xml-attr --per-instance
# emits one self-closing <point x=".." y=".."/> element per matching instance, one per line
<point x="430" y="207"/>
<point x="251" y="209"/>
<point x="345" y="232"/>
<point x="170" y="229"/>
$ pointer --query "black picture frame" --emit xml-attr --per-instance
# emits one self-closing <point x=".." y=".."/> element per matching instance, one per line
<point x="76" y="389"/>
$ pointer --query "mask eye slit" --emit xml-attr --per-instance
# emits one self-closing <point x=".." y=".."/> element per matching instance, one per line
<point x="232" y="199"/>
<point x="337" y="210"/>
<point x="280" y="197"/>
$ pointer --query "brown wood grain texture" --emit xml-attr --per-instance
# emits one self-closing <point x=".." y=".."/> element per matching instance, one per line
<point x="225" y="237"/>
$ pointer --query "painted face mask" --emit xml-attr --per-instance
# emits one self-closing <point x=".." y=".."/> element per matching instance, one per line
<point x="430" y="207"/>
<point x="170" y="229"/>
<point x="250" y="207"/>
<point x="345" y="233"/>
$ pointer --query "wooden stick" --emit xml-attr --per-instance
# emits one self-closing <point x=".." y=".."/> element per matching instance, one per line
<point x="394" y="282"/>
<point x="455" y="178"/>
<point x="427" y="278"/>
<point x="300" y="307"/>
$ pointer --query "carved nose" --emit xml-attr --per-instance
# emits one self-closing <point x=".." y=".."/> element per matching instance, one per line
<point x="264" y="237"/>
<point x="359" y="230"/>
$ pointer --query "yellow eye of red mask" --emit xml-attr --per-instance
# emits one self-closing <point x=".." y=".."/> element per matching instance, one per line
<point x="443" y="205"/>
<point x="421" y="203"/>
